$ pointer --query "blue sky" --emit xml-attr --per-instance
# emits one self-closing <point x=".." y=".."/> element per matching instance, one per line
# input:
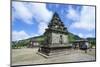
<point x="30" y="19"/>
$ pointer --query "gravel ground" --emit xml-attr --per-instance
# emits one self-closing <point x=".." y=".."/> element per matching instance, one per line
<point x="26" y="56"/>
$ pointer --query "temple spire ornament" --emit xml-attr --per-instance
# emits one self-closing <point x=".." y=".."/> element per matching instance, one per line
<point x="56" y="23"/>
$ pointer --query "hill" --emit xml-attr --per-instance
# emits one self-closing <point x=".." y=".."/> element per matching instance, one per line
<point x="25" y="42"/>
<point x="73" y="37"/>
<point x="40" y="39"/>
<point x="92" y="41"/>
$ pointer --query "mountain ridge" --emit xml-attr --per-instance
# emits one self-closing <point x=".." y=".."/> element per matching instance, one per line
<point x="41" y="38"/>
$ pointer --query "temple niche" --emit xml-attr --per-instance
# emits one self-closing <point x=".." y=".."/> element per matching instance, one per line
<point x="56" y="40"/>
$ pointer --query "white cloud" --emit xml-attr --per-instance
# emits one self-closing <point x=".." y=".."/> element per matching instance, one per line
<point x="20" y="11"/>
<point x="28" y="11"/>
<point x="84" y="25"/>
<point x="81" y="35"/>
<point x="89" y="35"/>
<point x="86" y="20"/>
<point x="19" y="35"/>
<point x="72" y="14"/>
<point x="42" y="16"/>
<point x="42" y="27"/>
<point x="86" y="35"/>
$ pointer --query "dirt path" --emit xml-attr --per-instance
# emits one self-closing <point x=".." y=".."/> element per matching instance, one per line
<point x="28" y="56"/>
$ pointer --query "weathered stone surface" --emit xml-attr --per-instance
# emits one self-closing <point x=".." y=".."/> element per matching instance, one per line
<point x="56" y="41"/>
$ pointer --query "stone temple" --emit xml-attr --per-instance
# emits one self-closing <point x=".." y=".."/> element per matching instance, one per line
<point x="56" y="38"/>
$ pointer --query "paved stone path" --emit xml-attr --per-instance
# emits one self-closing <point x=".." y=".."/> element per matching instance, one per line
<point x="29" y="56"/>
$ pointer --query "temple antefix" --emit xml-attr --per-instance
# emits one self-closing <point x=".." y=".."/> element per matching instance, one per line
<point x="56" y="38"/>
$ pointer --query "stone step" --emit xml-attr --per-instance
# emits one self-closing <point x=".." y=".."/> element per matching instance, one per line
<point x="58" y="53"/>
<point x="55" y="54"/>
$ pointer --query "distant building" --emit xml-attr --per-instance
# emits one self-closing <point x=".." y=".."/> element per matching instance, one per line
<point x="80" y="44"/>
<point x="33" y="43"/>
